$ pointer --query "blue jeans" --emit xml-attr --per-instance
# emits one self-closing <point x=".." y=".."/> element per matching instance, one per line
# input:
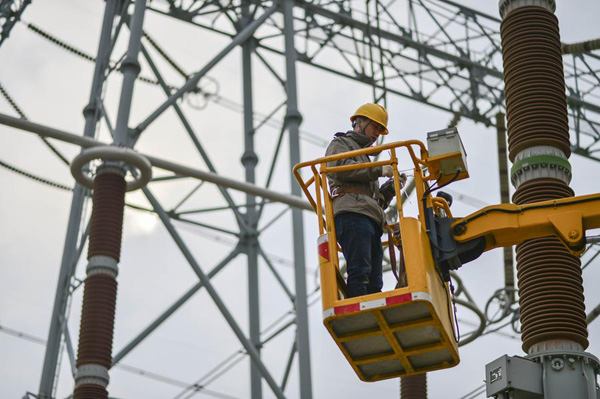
<point x="360" y="239"/>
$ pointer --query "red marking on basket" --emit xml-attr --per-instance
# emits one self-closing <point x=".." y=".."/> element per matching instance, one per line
<point x="323" y="249"/>
<point x="394" y="300"/>
<point x="354" y="307"/>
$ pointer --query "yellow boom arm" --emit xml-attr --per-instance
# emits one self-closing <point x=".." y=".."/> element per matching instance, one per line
<point x="509" y="224"/>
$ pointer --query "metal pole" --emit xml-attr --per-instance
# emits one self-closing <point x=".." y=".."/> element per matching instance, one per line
<point x="69" y="345"/>
<point x="130" y="69"/>
<point x="249" y="346"/>
<point x="593" y="315"/>
<point x="293" y="120"/>
<point x="66" y="270"/>
<point x="241" y="37"/>
<point x="288" y="367"/>
<point x="250" y="234"/>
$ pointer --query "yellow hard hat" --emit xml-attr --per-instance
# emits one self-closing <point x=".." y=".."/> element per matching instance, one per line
<point x="374" y="112"/>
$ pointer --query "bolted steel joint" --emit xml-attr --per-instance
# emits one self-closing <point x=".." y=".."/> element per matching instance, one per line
<point x="100" y="264"/>
<point x="249" y="158"/>
<point x="92" y="374"/>
<point x="506" y="6"/>
<point x="90" y="110"/>
<point x="292" y="116"/>
<point x="540" y="162"/>
<point x="131" y="64"/>
<point x="557" y="364"/>
<point x="459" y="229"/>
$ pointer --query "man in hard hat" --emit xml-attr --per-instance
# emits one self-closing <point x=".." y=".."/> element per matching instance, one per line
<point x="359" y="217"/>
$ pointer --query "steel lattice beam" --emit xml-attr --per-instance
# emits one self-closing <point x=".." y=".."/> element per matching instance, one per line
<point x="443" y="54"/>
<point x="10" y="14"/>
<point x="455" y="66"/>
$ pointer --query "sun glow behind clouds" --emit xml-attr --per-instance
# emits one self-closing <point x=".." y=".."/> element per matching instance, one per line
<point x="140" y="223"/>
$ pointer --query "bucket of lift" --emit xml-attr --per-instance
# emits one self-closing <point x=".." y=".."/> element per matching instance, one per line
<point x="401" y="332"/>
<point x="396" y="333"/>
<point x="411" y="329"/>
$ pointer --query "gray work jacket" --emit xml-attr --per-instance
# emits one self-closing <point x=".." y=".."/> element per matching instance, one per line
<point x="361" y="179"/>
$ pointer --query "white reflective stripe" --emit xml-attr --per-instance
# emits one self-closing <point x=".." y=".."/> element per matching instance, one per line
<point x="379" y="303"/>
<point x="422" y="296"/>
<point x="328" y="312"/>
<point x="376" y="303"/>
<point x="322" y="238"/>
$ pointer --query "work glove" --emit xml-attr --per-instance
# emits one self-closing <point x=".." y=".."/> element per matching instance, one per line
<point x="403" y="179"/>
<point x="387" y="171"/>
<point x="388" y="192"/>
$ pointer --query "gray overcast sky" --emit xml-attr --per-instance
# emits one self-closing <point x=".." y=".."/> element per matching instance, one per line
<point x="52" y="87"/>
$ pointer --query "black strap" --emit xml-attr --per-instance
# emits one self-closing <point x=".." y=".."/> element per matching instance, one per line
<point x="392" y="254"/>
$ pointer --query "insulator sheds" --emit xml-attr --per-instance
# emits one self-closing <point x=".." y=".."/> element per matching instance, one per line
<point x="414" y="387"/>
<point x="90" y="391"/>
<point x="534" y="80"/>
<point x="100" y="292"/>
<point x="541" y="190"/>
<point x="551" y="293"/>
<point x="550" y="282"/>
<point x="106" y="225"/>
<point x="97" y="321"/>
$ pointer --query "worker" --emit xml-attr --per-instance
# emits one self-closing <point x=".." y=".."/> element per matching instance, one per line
<point x="357" y="202"/>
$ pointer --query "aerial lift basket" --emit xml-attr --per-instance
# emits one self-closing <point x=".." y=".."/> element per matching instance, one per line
<point x="410" y="329"/>
<point x="407" y="330"/>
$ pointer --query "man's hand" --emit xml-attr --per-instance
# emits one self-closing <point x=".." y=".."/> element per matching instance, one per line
<point x="403" y="179"/>
<point x="387" y="171"/>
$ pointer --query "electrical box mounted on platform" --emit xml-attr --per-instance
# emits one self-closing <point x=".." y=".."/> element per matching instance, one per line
<point x="446" y="147"/>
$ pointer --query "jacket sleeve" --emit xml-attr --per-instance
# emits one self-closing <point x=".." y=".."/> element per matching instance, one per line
<point x="358" y="175"/>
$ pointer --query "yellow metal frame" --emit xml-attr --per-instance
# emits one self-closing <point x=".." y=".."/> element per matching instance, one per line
<point x="426" y="295"/>
<point x="509" y="224"/>
<point x="411" y="329"/>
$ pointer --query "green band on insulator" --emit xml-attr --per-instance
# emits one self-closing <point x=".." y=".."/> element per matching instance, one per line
<point x="540" y="160"/>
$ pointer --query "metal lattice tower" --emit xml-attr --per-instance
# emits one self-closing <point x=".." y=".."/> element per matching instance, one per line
<point x="457" y="68"/>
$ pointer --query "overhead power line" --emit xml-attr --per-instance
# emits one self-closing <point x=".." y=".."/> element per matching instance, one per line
<point x="73" y="50"/>
<point x="21" y="114"/>
<point x="130" y="369"/>
<point x="22" y="335"/>
<point x="200" y="385"/>
<point x="214" y="97"/>
<point x="34" y="177"/>
<point x="475" y="392"/>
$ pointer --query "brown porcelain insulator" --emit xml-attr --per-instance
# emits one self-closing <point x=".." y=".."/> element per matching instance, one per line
<point x="550" y="283"/>
<point x="100" y="292"/>
<point x="541" y="190"/>
<point x="534" y="81"/>
<point x="106" y="224"/>
<point x="90" y="391"/>
<point x="97" y="320"/>
<point x="413" y="386"/>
